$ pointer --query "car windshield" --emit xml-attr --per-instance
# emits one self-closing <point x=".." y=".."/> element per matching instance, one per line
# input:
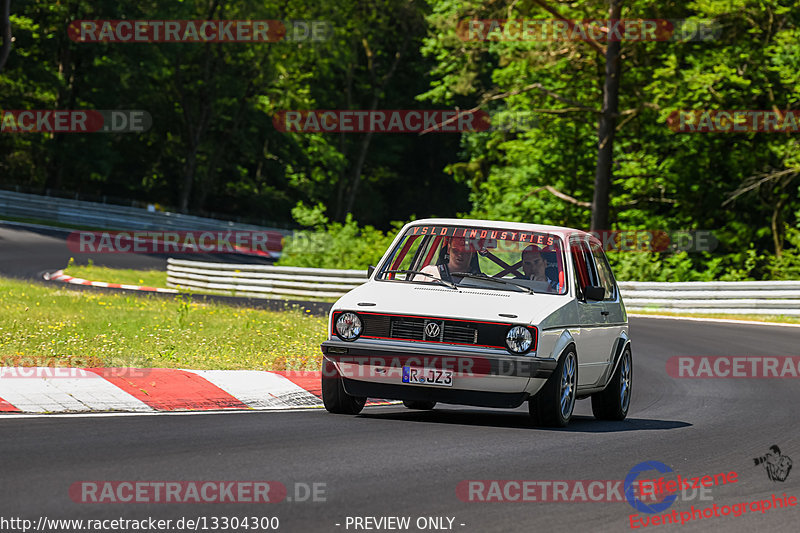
<point x="476" y="257"/>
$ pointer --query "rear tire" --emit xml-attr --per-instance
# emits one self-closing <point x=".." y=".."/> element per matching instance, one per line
<point x="334" y="397"/>
<point x="419" y="405"/>
<point x="554" y="403"/>
<point x="613" y="402"/>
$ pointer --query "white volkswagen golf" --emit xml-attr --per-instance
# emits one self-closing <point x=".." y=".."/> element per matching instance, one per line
<point x="483" y="313"/>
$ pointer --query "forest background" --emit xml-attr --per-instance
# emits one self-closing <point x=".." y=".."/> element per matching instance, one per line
<point x="594" y="150"/>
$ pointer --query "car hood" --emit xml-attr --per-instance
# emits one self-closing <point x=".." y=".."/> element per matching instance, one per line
<point x="467" y="303"/>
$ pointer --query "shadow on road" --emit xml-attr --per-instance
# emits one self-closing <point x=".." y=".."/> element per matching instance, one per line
<point x="521" y="420"/>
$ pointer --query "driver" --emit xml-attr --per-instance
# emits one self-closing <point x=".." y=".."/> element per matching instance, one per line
<point x="534" y="265"/>
<point x="459" y="256"/>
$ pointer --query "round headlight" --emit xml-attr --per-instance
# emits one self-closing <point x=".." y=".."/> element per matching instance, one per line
<point x="348" y="326"/>
<point x="519" y="339"/>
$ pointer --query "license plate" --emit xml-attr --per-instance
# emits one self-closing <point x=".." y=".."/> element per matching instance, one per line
<point x="427" y="376"/>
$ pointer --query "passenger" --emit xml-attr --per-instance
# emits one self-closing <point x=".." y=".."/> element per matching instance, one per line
<point x="534" y="266"/>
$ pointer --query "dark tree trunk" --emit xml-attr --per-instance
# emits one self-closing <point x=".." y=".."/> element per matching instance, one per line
<point x="189" y="170"/>
<point x="342" y="186"/>
<point x="364" y="148"/>
<point x="606" y="129"/>
<point x="197" y="124"/>
<point x="58" y="145"/>
<point x="362" y="156"/>
<point x="5" y="33"/>
<point x="196" y="127"/>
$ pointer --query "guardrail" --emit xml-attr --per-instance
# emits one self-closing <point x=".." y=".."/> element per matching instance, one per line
<point x="721" y="297"/>
<point x="111" y="216"/>
<point x="263" y="281"/>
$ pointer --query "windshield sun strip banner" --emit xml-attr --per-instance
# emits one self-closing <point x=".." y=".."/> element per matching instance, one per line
<point x="530" y="237"/>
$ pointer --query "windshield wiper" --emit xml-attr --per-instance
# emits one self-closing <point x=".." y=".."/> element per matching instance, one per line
<point x="489" y="278"/>
<point x="434" y="278"/>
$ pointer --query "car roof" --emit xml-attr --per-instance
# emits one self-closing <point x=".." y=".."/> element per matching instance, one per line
<point x="501" y="224"/>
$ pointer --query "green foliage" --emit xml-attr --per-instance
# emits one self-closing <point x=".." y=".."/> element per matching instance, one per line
<point x="683" y="266"/>
<point x="213" y="145"/>
<point x="333" y="245"/>
<point x="787" y="266"/>
<point x="732" y="184"/>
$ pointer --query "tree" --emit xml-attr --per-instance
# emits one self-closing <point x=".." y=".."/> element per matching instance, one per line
<point x="607" y="127"/>
<point x="5" y="32"/>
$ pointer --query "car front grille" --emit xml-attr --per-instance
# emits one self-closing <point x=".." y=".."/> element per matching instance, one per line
<point x="432" y="330"/>
<point x="460" y="334"/>
<point x="403" y="328"/>
<point x="435" y="329"/>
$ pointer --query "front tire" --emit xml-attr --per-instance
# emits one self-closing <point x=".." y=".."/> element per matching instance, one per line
<point x="334" y="397"/>
<point x="419" y="405"/>
<point x="554" y="403"/>
<point x="613" y="402"/>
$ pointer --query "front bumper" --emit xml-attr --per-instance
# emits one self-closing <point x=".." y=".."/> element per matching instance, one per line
<point x="480" y="377"/>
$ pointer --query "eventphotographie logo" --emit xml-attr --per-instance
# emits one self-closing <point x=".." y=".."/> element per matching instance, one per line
<point x="776" y="464"/>
<point x="633" y="498"/>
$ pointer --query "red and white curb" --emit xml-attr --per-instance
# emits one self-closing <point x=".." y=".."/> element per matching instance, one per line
<point x="59" y="390"/>
<point x="60" y="276"/>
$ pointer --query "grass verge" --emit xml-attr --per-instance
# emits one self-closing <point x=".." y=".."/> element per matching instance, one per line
<point x="147" y="278"/>
<point x="46" y="325"/>
<point x="783" y="319"/>
<point x="152" y="278"/>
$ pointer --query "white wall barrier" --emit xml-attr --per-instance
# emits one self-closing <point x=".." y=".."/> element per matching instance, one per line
<point x="110" y="216"/>
<point x="264" y="281"/>
<point x="720" y="297"/>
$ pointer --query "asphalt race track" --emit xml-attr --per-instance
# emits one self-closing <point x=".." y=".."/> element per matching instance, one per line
<point x="390" y="461"/>
<point x="26" y="251"/>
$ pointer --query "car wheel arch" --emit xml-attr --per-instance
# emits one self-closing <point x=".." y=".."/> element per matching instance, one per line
<point x="623" y="343"/>
<point x="565" y="340"/>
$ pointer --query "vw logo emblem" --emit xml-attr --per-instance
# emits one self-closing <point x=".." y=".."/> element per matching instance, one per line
<point x="432" y="330"/>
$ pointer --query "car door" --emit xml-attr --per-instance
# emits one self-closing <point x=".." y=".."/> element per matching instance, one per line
<point x="592" y="355"/>
<point x="615" y="318"/>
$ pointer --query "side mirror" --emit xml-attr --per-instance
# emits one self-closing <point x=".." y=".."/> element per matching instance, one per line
<point x="370" y="270"/>
<point x="594" y="292"/>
